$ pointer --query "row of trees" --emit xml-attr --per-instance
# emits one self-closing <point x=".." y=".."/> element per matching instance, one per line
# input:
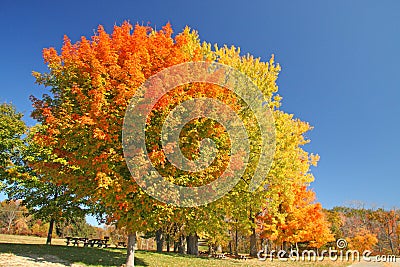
<point x="374" y="229"/>
<point x="76" y="151"/>
<point x="377" y="230"/>
<point x="15" y="218"/>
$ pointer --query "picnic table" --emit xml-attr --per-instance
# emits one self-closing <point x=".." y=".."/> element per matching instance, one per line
<point x="75" y="241"/>
<point x="97" y="241"/>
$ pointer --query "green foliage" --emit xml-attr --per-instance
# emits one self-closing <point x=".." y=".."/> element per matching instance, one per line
<point x="76" y="226"/>
<point x="12" y="128"/>
<point x="46" y="200"/>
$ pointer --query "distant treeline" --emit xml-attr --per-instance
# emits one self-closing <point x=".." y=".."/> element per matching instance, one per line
<point x="375" y="229"/>
<point x="16" y="219"/>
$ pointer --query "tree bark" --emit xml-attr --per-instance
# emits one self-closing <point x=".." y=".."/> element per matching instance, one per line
<point x="192" y="241"/>
<point x="236" y="242"/>
<point x="253" y="243"/>
<point x="50" y="232"/>
<point x="159" y="240"/>
<point x="181" y="244"/>
<point x="391" y="245"/>
<point x="168" y="243"/>
<point x="130" y="259"/>
<point x="51" y="225"/>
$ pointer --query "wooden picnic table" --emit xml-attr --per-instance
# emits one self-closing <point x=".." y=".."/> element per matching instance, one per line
<point x="75" y="241"/>
<point x="98" y="241"/>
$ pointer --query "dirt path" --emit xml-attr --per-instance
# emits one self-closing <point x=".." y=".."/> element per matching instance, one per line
<point x="11" y="260"/>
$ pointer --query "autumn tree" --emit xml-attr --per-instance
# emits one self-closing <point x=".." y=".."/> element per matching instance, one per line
<point x="12" y="128"/>
<point x="299" y="220"/>
<point x="335" y="220"/>
<point x="290" y="214"/>
<point x="389" y="227"/>
<point x="362" y="240"/>
<point x="91" y="83"/>
<point x="309" y="223"/>
<point x="10" y="212"/>
<point x="47" y="201"/>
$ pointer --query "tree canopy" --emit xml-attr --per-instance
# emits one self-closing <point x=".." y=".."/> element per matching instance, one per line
<point x="12" y="128"/>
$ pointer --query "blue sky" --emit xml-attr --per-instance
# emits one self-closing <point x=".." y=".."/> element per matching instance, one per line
<point x="339" y="70"/>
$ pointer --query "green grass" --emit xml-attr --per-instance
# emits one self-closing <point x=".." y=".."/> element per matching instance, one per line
<point x="31" y="248"/>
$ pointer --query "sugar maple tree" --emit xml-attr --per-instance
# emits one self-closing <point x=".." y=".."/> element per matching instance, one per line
<point x="91" y="84"/>
<point x="297" y="219"/>
<point x="290" y="214"/>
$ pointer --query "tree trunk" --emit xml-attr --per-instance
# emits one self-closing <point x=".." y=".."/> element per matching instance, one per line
<point x="9" y="226"/>
<point x="253" y="243"/>
<point x="181" y="244"/>
<point x="51" y="226"/>
<point x="50" y="232"/>
<point x="265" y="246"/>
<point x="236" y="242"/>
<point x="168" y="243"/>
<point x="192" y="241"/>
<point x="391" y="245"/>
<point x="159" y="240"/>
<point x="130" y="259"/>
<point x="59" y="230"/>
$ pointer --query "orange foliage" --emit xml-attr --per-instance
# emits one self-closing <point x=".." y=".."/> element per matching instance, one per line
<point x="92" y="83"/>
<point x="363" y="240"/>
<point x="299" y="220"/>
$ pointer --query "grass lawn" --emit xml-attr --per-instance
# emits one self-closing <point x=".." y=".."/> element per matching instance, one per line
<point x="34" y="249"/>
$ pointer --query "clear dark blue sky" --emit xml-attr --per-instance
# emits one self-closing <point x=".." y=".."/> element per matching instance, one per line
<point x="340" y="70"/>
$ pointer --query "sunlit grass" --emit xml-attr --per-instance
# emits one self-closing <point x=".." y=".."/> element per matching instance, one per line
<point x="34" y="248"/>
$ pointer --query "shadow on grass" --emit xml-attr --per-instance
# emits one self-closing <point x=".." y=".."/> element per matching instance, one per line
<point x="67" y="255"/>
